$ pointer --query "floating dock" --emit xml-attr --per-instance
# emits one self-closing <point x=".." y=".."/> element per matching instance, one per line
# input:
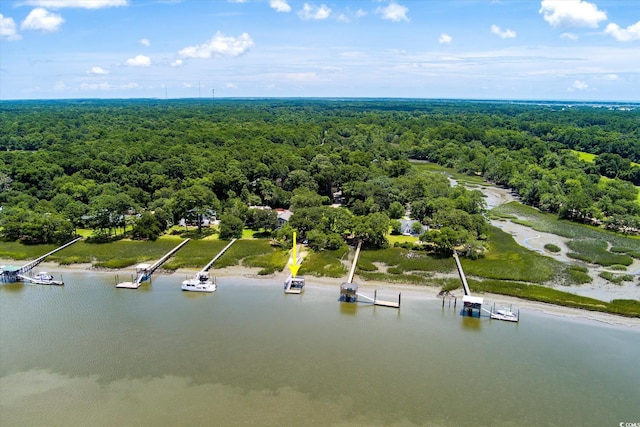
<point x="144" y="271"/>
<point x="294" y="285"/>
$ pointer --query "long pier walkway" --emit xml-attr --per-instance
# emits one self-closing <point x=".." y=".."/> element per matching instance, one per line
<point x="144" y="271"/>
<point x="465" y="285"/>
<point x="208" y="266"/>
<point x="33" y="264"/>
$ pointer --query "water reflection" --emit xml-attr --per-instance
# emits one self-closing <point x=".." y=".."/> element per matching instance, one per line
<point x="348" y="308"/>
<point x="472" y="323"/>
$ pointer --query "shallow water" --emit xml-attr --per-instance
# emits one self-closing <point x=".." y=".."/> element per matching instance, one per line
<point x="90" y="354"/>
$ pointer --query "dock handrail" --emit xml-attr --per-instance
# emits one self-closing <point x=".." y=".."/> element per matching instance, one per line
<point x="32" y="264"/>
<point x="465" y="285"/>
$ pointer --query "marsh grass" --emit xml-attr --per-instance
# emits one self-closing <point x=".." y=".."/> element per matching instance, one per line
<point x="595" y="252"/>
<point x="622" y="250"/>
<point x="549" y="223"/>
<point x="616" y="278"/>
<point x="552" y="248"/>
<point x="19" y="251"/>
<point x="243" y="249"/>
<point x="325" y="263"/>
<point x="195" y="254"/>
<point x="578" y="275"/>
<point x="588" y="243"/>
<point x="404" y="260"/>
<point x="268" y="262"/>
<point x="100" y="253"/>
<point x="506" y="260"/>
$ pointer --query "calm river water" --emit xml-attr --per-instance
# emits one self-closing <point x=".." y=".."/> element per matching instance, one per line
<point x="90" y="354"/>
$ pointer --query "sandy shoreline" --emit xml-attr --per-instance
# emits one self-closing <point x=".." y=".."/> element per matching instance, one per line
<point x="368" y="286"/>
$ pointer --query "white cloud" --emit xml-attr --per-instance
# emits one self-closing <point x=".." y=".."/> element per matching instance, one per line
<point x="231" y="86"/>
<point x="343" y="18"/>
<point x="59" y="85"/>
<point x="578" y="85"/>
<point x="314" y="12"/>
<point x="632" y="32"/>
<point x="139" y="61"/>
<point x="42" y="19"/>
<point x="280" y="5"/>
<point x="394" y="12"/>
<point x="445" y="39"/>
<point x="360" y="13"/>
<point x="8" y="28"/>
<point x="98" y="71"/>
<point x="145" y="42"/>
<point x="611" y="77"/>
<point x="569" y="36"/>
<point x="177" y="63"/>
<point x="571" y="13"/>
<point x="219" y="45"/>
<point x="506" y="34"/>
<point x="84" y="4"/>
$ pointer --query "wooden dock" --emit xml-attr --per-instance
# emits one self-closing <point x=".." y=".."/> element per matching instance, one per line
<point x="465" y="285"/>
<point x="208" y="266"/>
<point x="32" y="264"/>
<point x="144" y="271"/>
<point x="381" y="303"/>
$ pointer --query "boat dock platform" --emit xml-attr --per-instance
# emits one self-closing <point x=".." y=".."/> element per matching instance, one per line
<point x="12" y="274"/>
<point x="144" y="271"/>
<point x="349" y="290"/>
<point x="294" y="285"/>
<point x="382" y="303"/>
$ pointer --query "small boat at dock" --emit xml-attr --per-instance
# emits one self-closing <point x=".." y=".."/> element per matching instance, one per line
<point x="505" y="314"/>
<point x="200" y="283"/>
<point x="43" y="278"/>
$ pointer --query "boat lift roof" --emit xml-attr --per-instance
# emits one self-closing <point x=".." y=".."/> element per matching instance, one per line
<point x="472" y="300"/>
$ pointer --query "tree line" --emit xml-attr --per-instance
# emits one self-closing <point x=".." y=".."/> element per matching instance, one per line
<point x="143" y="165"/>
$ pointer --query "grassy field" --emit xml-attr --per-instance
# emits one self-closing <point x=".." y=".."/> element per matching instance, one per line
<point x="459" y="177"/>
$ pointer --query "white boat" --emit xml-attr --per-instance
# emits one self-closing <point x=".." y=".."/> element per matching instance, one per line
<point x="44" y="278"/>
<point x="505" y="314"/>
<point x="200" y="283"/>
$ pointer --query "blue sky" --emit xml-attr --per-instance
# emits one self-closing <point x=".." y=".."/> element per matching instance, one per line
<point x="479" y="49"/>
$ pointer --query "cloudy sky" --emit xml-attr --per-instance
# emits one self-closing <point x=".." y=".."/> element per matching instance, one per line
<point x="479" y="49"/>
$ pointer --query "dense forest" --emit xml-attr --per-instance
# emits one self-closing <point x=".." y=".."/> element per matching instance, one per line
<point x="142" y="165"/>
